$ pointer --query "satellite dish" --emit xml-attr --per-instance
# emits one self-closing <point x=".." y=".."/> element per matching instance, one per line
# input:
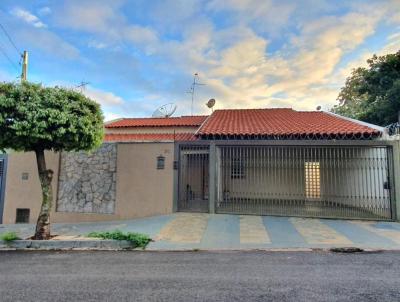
<point x="165" y="110"/>
<point x="210" y="103"/>
<point x="318" y="108"/>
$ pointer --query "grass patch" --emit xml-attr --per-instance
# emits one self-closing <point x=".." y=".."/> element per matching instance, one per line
<point x="9" y="236"/>
<point x="136" y="239"/>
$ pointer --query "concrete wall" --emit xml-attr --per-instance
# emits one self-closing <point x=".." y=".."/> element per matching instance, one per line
<point x="142" y="190"/>
<point x="396" y="178"/>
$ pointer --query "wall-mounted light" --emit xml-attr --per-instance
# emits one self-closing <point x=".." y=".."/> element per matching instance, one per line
<point x="160" y="162"/>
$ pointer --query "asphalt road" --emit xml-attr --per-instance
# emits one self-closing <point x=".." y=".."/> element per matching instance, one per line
<point x="199" y="276"/>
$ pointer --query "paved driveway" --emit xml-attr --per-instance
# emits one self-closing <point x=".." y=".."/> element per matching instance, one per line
<point x="220" y="232"/>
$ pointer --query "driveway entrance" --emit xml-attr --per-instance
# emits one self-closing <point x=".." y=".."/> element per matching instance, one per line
<point x="318" y="181"/>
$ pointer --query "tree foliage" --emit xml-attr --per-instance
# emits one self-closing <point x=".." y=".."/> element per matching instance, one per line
<point x="35" y="117"/>
<point x="372" y="94"/>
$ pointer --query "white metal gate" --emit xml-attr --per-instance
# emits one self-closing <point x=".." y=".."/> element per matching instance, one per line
<point x="343" y="182"/>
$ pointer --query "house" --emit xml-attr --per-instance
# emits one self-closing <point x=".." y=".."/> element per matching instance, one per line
<point x="238" y="161"/>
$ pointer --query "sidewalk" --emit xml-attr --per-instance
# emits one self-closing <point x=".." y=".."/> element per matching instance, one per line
<point x="182" y="231"/>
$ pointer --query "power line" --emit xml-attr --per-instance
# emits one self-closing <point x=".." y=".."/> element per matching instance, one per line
<point x="8" y="58"/>
<point x="10" y="39"/>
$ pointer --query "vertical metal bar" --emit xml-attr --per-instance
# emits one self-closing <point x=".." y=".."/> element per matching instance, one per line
<point x="212" y="178"/>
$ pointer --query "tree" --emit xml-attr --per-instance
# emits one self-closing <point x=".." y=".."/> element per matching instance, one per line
<point x="37" y="118"/>
<point x="372" y="94"/>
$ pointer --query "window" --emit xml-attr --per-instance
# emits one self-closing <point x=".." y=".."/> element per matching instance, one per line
<point x="313" y="179"/>
<point x="22" y="216"/>
<point x="237" y="168"/>
<point x="160" y="162"/>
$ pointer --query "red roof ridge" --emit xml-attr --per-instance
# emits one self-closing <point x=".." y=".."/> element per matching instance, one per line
<point x="191" y="121"/>
<point x="254" y="109"/>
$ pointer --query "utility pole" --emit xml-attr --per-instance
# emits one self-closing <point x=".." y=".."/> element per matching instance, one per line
<point x="24" y="66"/>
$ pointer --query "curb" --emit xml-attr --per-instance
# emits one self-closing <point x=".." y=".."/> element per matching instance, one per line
<point x="66" y="245"/>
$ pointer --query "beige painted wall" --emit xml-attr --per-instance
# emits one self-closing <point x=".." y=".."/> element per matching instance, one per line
<point x="21" y="193"/>
<point x="142" y="190"/>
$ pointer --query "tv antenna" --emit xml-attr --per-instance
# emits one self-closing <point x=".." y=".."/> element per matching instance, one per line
<point x="165" y="110"/>
<point x="82" y="85"/>
<point x="210" y="104"/>
<point x="193" y="88"/>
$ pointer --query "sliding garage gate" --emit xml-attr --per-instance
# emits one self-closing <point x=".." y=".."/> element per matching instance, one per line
<point x="345" y="182"/>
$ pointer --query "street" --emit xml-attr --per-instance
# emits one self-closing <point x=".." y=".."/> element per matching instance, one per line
<point x="199" y="276"/>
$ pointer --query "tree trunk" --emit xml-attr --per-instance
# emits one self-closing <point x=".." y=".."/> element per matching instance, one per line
<point x="43" y="223"/>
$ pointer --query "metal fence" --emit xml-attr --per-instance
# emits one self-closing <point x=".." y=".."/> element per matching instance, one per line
<point x="193" y="178"/>
<point x="1" y="174"/>
<point x="347" y="182"/>
<point x="2" y="187"/>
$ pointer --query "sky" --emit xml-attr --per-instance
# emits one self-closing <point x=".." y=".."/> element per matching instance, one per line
<point x="140" y="54"/>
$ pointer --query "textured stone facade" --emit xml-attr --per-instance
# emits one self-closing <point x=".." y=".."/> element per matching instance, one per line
<point x="87" y="181"/>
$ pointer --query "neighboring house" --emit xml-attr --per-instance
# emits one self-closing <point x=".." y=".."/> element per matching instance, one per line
<point x="250" y="161"/>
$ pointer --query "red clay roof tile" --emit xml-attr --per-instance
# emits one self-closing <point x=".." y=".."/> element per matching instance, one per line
<point x="111" y="137"/>
<point x="280" y="122"/>
<point x="189" y="121"/>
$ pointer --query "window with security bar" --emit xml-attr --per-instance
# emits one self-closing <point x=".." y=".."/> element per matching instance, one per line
<point x="312" y="180"/>
<point x="238" y="168"/>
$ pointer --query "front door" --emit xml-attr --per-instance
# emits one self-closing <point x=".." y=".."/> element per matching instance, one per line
<point x="193" y="179"/>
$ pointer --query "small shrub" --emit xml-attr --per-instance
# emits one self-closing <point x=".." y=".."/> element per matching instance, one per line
<point x="136" y="239"/>
<point x="9" y="236"/>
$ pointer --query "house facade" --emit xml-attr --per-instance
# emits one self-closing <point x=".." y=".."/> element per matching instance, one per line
<point x="250" y="161"/>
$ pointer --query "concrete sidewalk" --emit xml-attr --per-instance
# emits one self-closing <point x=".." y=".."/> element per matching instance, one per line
<point x="181" y="231"/>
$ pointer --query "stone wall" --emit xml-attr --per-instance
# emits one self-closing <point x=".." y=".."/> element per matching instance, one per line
<point x="87" y="181"/>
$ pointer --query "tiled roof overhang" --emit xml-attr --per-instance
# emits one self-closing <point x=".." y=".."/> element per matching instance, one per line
<point x="150" y="137"/>
<point x="282" y="123"/>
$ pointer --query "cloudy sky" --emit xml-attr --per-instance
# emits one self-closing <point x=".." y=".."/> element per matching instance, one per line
<point x="139" y="54"/>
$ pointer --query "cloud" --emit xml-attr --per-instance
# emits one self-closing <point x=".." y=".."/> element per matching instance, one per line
<point x="249" y="53"/>
<point x="104" y="98"/>
<point x="267" y="15"/>
<point x="90" y="15"/>
<point x="109" y="116"/>
<point x="97" y="44"/>
<point x="27" y="17"/>
<point x="49" y="42"/>
<point x="44" y="11"/>
<point x="143" y="37"/>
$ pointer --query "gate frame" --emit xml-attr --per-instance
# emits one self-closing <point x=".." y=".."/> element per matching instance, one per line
<point x="177" y="166"/>
<point x="393" y="162"/>
<point x="3" y="157"/>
